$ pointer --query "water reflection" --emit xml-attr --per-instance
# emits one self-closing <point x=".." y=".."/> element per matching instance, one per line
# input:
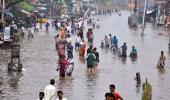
<point x="65" y="82"/>
<point x="123" y="59"/>
<point x="161" y="70"/>
<point x="14" y="78"/>
<point x="138" y="88"/>
<point x="81" y="59"/>
<point x="91" y="82"/>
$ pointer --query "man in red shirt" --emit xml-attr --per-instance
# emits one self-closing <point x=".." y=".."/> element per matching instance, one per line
<point x="117" y="95"/>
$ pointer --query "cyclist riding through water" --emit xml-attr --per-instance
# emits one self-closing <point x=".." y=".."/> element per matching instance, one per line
<point x="114" y="42"/>
<point x="133" y="53"/>
<point x="124" y="49"/>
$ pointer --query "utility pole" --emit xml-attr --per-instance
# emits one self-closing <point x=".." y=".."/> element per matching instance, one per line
<point x="135" y="6"/>
<point x="3" y="8"/>
<point x="126" y="2"/>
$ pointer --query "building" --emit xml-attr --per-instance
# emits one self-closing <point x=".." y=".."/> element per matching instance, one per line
<point x="33" y="2"/>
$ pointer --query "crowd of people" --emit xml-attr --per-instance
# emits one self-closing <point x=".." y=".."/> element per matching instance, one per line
<point x="103" y="11"/>
<point x="49" y="93"/>
<point x="111" y="42"/>
<point x="64" y="43"/>
<point x="68" y="28"/>
<point x="64" y="40"/>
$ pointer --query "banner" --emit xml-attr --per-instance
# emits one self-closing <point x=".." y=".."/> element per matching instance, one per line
<point x="7" y="34"/>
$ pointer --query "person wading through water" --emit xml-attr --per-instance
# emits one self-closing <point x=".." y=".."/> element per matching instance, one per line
<point x="60" y="95"/>
<point x="50" y="90"/>
<point x="96" y="53"/>
<point x="162" y="59"/>
<point x="109" y="96"/>
<point x="112" y="90"/>
<point x="77" y="44"/>
<point x="63" y="64"/>
<point x="82" y="48"/>
<point x="90" y="61"/>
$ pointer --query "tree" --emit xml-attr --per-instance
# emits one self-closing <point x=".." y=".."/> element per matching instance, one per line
<point x="10" y="3"/>
<point x="25" y="6"/>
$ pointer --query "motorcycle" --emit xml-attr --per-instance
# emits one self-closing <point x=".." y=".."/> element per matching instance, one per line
<point x="113" y="48"/>
<point x="70" y="67"/>
<point x="133" y="55"/>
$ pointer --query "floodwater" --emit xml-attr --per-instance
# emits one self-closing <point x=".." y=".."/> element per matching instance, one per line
<point x="39" y="60"/>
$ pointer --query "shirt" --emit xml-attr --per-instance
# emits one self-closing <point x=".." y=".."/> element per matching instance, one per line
<point x="70" y="48"/>
<point x="106" y="40"/>
<point x="90" y="59"/>
<point x="117" y="95"/>
<point x="88" y="34"/>
<point x="69" y="40"/>
<point x="58" y="24"/>
<point x="78" y="39"/>
<point x="96" y="55"/>
<point x="49" y="92"/>
<point x="68" y="28"/>
<point x="134" y="50"/>
<point x="124" y="48"/>
<point x="114" y="41"/>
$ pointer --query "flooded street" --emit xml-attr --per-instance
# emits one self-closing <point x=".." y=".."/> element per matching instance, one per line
<point x="39" y="60"/>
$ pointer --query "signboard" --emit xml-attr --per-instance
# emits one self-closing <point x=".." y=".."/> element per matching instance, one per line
<point x="131" y="5"/>
<point x="7" y="34"/>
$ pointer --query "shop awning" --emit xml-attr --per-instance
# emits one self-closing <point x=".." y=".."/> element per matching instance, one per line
<point x="149" y="12"/>
<point x="25" y="12"/>
<point x="36" y="11"/>
<point x="41" y="8"/>
<point x="9" y="14"/>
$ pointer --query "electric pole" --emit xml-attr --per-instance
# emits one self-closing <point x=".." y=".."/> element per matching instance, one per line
<point x="3" y="9"/>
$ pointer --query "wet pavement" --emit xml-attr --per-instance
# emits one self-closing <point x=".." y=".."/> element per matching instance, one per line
<point x="39" y="60"/>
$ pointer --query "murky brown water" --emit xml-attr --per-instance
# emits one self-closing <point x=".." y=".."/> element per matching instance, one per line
<point x="39" y="59"/>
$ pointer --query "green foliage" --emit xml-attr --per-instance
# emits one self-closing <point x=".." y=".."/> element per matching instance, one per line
<point x="103" y="2"/>
<point x="147" y="92"/>
<point x="25" y="6"/>
<point x="10" y="3"/>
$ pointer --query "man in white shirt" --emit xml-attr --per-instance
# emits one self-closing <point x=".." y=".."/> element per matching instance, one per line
<point x="50" y="90"/>
<point x="69" y="40"/>
<point x="58" y="24"/>
<point x="60" y="96"/>
<point x="78" y="40"/>
<point x="68" y="29"/>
